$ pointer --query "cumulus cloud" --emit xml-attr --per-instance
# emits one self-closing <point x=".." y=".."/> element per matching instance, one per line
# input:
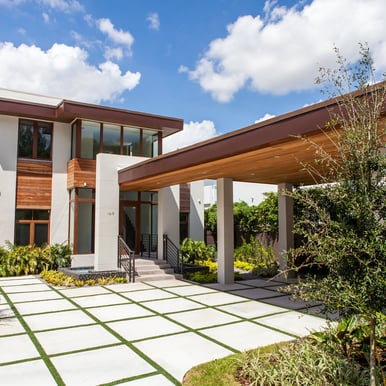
<point x="154" y="22"/>
<point x="193" y="132"/>
<point x="46" y="17"/>
<point x="280" y="51"/>
<point x="117" y="36"/>
<point x="62" y="71"/>
<point x="265" y="117"/>
<point x="113" y="53"/>
<point x="60" y="5"/>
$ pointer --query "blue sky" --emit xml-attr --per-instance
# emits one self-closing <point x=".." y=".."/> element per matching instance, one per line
<point x="218" y="64"/>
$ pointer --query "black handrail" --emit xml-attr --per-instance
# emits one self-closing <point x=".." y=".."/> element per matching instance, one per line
<point x="172" y="254"/>
<point x="149" y="244"/>
<point x="126" y="259"/>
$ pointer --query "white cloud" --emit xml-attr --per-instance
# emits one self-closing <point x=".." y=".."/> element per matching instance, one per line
<point x="154" y="22"/>
<point x="46" y="17"/>
<point x="265" y="117"/>
<point x="63" y="5"/>
<point x="193" y="132"/>
<point x="281" y="51"/>
<point x="113" y="53"/>
<point x="117" y="36"/>
<point x="62" y="71"/>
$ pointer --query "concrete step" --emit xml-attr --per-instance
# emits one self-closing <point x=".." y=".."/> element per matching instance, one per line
<point x="157" y="277"/>
<point x="152" y="269"/>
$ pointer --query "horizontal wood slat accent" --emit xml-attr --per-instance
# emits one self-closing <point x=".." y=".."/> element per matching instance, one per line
<point x="28" y="167"/>
<point x="33" y="184"/>
<point x="33" y="192"/>
<point x="81" y="173"/>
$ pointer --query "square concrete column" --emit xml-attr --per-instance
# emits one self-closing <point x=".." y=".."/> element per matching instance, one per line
<point x="225" y="236"/>
<point x="196" y="216"/>
<point x="168" y="216"/>
<point x="286" y="223"/>
<point x="107" y="208"/>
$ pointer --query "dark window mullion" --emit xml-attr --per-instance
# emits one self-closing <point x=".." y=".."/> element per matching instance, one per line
<point x="35" y="140"/>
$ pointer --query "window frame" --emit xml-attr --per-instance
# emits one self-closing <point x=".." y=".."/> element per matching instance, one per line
<point x="32" y="222"/>
<point x="76" y="139"/>
<point x="35" y="136"/>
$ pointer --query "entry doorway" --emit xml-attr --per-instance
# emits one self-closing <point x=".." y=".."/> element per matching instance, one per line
<point x="129" y="223"/>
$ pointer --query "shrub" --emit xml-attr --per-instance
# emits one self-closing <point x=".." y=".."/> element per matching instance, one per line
<point x="193" y="251"/>
<point x="262" y="259"/>
<point x="26" y="259"/>
<point x="301" y="363"/>
<point x="60" y="279"/>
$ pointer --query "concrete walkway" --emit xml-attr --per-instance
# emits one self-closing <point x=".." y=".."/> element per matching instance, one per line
<point x="135" y="334"/>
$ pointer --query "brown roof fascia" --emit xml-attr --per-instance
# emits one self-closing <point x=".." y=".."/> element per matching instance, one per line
<point x="304" y="121"/>
<point x="69" y="110"/>
<point x="27" y="110"/>
<point x="283" y="128"/>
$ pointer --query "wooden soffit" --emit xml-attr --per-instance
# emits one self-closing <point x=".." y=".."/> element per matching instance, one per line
<point x="269" y="152"/>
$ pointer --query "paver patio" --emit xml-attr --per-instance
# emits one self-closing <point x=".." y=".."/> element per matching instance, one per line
<point x="135" y="334"/>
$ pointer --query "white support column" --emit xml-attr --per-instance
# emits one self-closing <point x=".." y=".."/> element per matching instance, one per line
<point x="196" y="217"/>
<point x="168" y="216"/>
<point x="107" y="208"/>
<point x="225" y="237"/>
<point x="286" y="222"/>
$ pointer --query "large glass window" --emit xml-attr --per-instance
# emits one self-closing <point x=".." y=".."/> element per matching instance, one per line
<point x="111" y="139"/>
<point x="32" y="227"/>
<point x="131" y="141"/>
<point x="35" y="139"/>
<point x="82" y="220"/>
<point x="90" y="139"/>
<point x="98" y="137"/>
<point x="150" y="143"/>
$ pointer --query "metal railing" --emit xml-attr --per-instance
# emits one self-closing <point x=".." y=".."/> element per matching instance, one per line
<point x="149" y="244"/>
<point x="126" y="259"/>
<point x="172" y="254"/>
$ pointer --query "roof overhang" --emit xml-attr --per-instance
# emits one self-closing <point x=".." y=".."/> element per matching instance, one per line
<point x="268" y="152"/>
<point x="67" y="111"/>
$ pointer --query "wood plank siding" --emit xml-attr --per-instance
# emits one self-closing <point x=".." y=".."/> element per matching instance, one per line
<point x="33" y="184"/>
<point x="185" y="198"/>
<point x="81" y="173"/>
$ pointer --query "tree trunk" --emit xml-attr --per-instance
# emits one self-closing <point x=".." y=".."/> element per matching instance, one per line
<point x="373" y="358"/>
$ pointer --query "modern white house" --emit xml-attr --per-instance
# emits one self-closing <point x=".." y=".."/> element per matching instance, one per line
<point x="84" y="174"/>
<point x="59" y="163"/>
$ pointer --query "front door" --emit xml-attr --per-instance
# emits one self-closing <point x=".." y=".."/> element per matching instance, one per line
<point x="128" y="225"/>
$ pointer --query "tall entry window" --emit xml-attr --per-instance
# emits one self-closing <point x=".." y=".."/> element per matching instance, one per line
<point x="35" y="139"/>
<point x="138" y="220"/>
<point x="82" y="220"/>
<point x="32" y="227"/>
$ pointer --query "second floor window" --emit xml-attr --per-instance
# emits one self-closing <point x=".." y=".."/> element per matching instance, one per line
<point x="35" y="139"/>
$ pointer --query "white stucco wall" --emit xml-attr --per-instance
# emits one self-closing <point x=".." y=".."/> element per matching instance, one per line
<point x="8" y="160"/>
<point x="61" y="152"/>
<point x="107" y="208"/>
<point x="168" y="216"/>
<point x="196" y="217"/>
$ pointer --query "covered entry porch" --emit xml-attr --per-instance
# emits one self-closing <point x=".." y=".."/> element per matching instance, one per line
<point x="267" y="152"/>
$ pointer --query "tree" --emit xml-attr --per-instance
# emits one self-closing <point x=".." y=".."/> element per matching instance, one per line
<point x="348" y="238"/>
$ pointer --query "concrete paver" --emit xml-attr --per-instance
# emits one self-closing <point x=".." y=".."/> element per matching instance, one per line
<point x="136" y="334"/>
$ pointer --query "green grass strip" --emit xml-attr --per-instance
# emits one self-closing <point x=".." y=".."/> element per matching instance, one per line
<point x="35" y="341"/>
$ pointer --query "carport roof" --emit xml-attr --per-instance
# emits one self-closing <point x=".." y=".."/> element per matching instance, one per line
<point x="266" y="152"/>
